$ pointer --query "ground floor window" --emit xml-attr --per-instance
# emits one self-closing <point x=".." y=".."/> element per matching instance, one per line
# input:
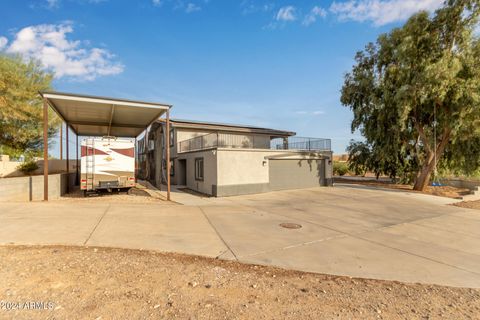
<point x="172" y="136"/>
<point x="172" y="168"/>
<point x="199" y="169"/>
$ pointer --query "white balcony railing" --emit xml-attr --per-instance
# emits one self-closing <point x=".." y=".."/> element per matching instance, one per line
<point x="225" y="140"/>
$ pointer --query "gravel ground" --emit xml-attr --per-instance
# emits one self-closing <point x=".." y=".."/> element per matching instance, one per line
<point x="468" y="204"/>
<point x="442" y="191"/>
<point x="105" y="283"/>
<point x="134" y="195"/>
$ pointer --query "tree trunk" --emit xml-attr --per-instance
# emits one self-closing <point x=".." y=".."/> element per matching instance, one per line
<point x="423" y="178"/>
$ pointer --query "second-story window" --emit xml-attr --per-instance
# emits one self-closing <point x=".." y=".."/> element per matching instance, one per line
<point x="172" y="135"/>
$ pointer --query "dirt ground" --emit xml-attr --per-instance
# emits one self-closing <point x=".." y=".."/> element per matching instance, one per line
<point x="442" y="191"/>
<point x="135" y="195"/>
<point x="101" y="283"/>
<point x="469" y="204"/>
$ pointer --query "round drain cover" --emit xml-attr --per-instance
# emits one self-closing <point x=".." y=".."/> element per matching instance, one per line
<point x="289" y="225"/>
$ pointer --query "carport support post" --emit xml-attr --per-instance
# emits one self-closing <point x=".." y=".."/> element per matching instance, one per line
<point x="135" y="158"/>
<point x="45" y="150"/>
<point x="77" y="179"/>
<point x="168" y="153"/>
<point x="67" y="162"/>
<point x="61" y="141"/>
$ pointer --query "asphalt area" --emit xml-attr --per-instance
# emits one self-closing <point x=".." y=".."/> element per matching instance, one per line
<point x="106" y="283"/>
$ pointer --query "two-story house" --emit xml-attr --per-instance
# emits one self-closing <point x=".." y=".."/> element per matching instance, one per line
<point x="224" y="159"/>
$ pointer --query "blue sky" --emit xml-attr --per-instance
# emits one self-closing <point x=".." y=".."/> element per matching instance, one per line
<point x="277" y="64"/>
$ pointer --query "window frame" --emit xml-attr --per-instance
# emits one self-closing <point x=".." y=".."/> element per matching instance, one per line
<point x="172" y="138"/>
<point x="198" y="176"/>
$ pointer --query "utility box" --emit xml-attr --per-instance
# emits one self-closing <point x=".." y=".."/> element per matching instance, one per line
<point x="107" y="163"/>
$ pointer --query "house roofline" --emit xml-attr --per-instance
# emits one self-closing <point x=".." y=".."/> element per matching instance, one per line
<point x="226" y="127"/>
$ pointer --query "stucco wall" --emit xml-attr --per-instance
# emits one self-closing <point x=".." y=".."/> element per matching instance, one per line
<point x="296" y="173"/>
<point x="210" y="170"/>
<point x="243" y="171"/>
<point x="242" y="166"/>
<point x="225" y="138"/>
<point x="236" y="140"/>
<point x="31" y="188"/>
<point x="183" y="134"/>
<point x="9" y="168"/>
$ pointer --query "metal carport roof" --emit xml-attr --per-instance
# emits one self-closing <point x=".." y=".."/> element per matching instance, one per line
<point x="101" y="116"/>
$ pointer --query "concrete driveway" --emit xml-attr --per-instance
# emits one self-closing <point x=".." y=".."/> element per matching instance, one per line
<point x="346" y="230"/>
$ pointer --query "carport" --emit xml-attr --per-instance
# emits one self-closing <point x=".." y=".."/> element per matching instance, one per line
<point x="100" y="116"/>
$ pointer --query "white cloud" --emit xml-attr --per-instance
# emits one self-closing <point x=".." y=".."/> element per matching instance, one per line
<point x="182" y="5"/>
<point x="65" y="58"/>
<point x="252" y="6"/>
<point x="312" y="16"/>
<point x="3" y="42"/>
<point x="191" y="7"/>
<point x="53" y="4"/>
<point x="286" y="14"/>
<point x="381" y="12"/>
<point x="310" y="113"/>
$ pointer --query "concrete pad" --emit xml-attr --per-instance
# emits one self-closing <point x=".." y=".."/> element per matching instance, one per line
<point x="48" y="223"/>
<point x="432" y="251"/>
<point x="340" y="220"/>
<point x="469" y="227"/>
<point x="467" y="213"/>
<point x="359" y="258"/>
<point x="158" y="227"/>
<point x="346" y="231"/>
<point x="406" y="195"/>
<point x="449" y="239"/>
<point x="247" y="232"/>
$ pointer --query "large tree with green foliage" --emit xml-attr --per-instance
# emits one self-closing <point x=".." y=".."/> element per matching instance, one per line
<point x="21" y="117"/>
<point x="415" y="96"/>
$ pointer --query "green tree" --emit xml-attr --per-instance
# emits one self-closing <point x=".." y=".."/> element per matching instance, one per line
<point x="415" y="94"/>
<point x="21" y="107"/>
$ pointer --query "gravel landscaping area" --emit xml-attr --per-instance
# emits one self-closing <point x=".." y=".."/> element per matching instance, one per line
<point x="104" y="283"/>
<point x="469" y="204"/>
<point x="441" y="191"/>
<point x="135" y="195"/>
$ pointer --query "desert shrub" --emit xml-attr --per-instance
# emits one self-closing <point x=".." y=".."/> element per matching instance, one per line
<point x="340" y="168"/>
<point x="28" y="167"/>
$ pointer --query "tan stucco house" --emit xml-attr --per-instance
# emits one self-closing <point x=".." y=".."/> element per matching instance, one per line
<point x="224" y="159"/>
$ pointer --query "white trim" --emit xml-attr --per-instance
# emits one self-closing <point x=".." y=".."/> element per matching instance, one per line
<point x="106" y="101"/>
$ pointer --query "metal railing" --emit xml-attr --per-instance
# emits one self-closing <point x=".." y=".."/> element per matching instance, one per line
<point x="225" y="140"/>
<point x="302" y="143"/>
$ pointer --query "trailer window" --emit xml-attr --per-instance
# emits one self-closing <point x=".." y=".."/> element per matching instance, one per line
<point x="199" y="169"/>
<point x="172" y="168"/>
<point x="171" y="138"/>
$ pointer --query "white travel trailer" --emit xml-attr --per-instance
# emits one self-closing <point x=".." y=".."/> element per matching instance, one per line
<point x="107" y="163"/>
